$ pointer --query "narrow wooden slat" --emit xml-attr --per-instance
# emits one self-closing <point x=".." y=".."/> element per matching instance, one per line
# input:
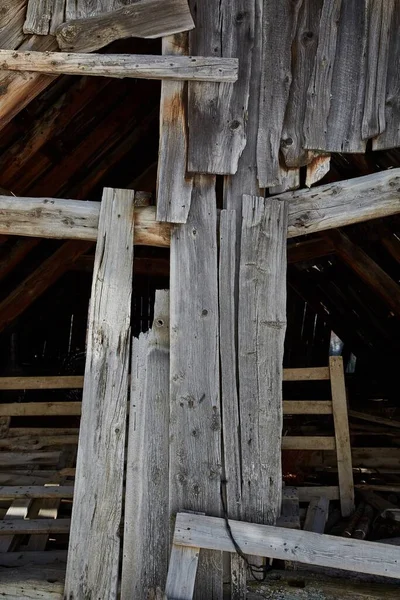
<point x="195" y="421"/>
<point x="36" y="491"/>
<point x="9" y="459"/>
<point x="306" y="374"/>
<point x="307" y="407"/>
<point x="304" y="442"/>
<point x="33" y="409"/>
<point x="46" y="382"/>
<point x="21" y="559"/>
<point x="182" y="573"/>
<point x="31" y="442"/>
<point x="342" y="435"/>
<point x="374" y="418"/>
<point x="317" y="514"/>
<point x="261" y="332"/>
<point x="143" y="19"/>
<point x="302" y="546"/>
<point x="279" y="27"/>
<point x="94" y="541"/>
<point x="184" y="68"/>
<point x="174" y="194"/>
<point x="146" y="536"/>
<point x="331" y="492"/>
<point x="229" y="391"/>
<point x="218" y="113"/>
<point x="34" y="526"/>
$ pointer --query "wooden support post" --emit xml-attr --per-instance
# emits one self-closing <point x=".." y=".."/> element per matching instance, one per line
<point x="195" y="422"/>
<point x="261" y="327"/>
<point x="342" y="435"/>
<point x="147" y="525"/>
<point x="93" y="558"/>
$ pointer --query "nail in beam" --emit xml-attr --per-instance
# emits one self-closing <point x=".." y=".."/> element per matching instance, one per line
<point x="326" y="207"/>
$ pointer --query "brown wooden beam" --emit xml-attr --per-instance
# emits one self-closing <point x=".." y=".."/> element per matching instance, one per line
<point x="309" y="250"/>
<point x="15" y="255"/>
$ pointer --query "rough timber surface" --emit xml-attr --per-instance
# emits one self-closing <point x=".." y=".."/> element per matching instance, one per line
<point x="146" y="536"/>
<point x="92" y="569"/>
<point x="261" y="332"/>
<point x="195" y="420"/>
<point x="143" y="18"/>
<point x="218" y="113"/>
<point x="174" y="194"/>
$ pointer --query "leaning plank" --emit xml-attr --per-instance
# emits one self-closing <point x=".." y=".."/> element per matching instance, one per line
<point x="34" y="409"/>
<point x="146" y="538"/>
<point x="34" y="526"/>
<point x="41" y="383"/>
<point x="36" y="491"/>
<point x="173" y="193"/>
<point x="342" y="435"/>
<point x="72" y="219"/>
<point x="92" y="568"/>
<point x="193" y="68"/>
<point x="195" y="422"/>
<point x="317" y="514"/>
<point x="229" y="391"/>
<point x="143" y="19"/>
<point x="261" y="333"/>
<point x="302" y="546"/>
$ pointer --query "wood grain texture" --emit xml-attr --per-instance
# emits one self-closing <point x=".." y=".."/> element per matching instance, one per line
<point x="33" y="526"/>
<point x="174" y="194"/>
<point x="218" y="113"/>
<point x="146" y="535"/>
<point x="335" y="96"/>
<point x="380" y="16"/>
<point x="122" y="65"/>
<point x="304" y="48"/>
<point x="279" y="27"/>
<point x="261" y="332"/>
<point x="390" y="137"/>
<point x="342" y="435"/>
<point x="317" y="514"/>
<point x="33" y="409"/>
<point x="142" y="19"/>
<point x="195" y="420"/>
<point x="304" y="442"/>
<point x="92" y="568"/>
<point x="84" y="9"/>
<point x="229" y="390"/>
<point x="43" y="16"/>
<point x="182" y="573"/>
<point x="331" y="492"/>
<point x="307" y="407"/>
<point x="302" y="546"/>
<point x="36" y="491"/>
<point x="46" y="382"/>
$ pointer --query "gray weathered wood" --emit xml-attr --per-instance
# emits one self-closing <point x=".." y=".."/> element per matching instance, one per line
<point x="279" y="27"/>
<point x="147" y="525"/>
<point x="32" y="583"/>
<point x="229" y="391"/>
<point x="317" y="514"/>
<point x="218" y="113"/>
<point x="195" y="421"/>
<point x="331" y="492"/>
<point x="342" y="435"/>
<point x="44" y="16"/>
<point x="36" y="491"/>
<point x="84" y="9"/>
<point x="335" y="96"/>
<point x="374" y="117"/>
<point x="143" y="19"/>
<point x="173" y="193"/>
<point x="193" y="68"/>
<point x="317" y="169"/>
<point x="182" y="573"/>
<point x="92" y="568"/>
<point x="390" y="137"/>
<point x="302" y="546"/>
<point x="32" y="526"/>
<point x="261" y="333"/>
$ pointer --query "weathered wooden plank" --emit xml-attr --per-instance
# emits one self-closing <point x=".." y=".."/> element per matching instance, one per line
<point x="279" y="27"/>
<point x="335" y="96"/>
<point x="229" y="390"/>
<point x="306" y="374"/>
<point x="146" y="536"/>
<point x="33" y="526"/>
<point x="43" y="16"/>
<point x="45" y="382"/>
<point x="302" y="546"/>
<point x="289" y="180"/>
<point x="18" y="511"/>
<point x="261" y="332"/>
<point x="218" y="113"/>
<point x="380" y="16"/>
<point x="44" y="582"/>
<point x="342" y="435"/>
<point x="36" y="491"/>
<point x="390" y="137"/>
<point x="317" y="169"/>
<point x="9" y="459"/>
<point x="331" y="492"/>
<point x="22" y="559"/>
<point x="303" y="442"/>
<point x="193" y="68"/>
<point x="317" y="514"/>
<point x="72" y="219"/>
<point x="173" y="193"/>
<point x="34" y="409"/>
<point x="195" y="422"/>
<point x="384" y="459"/>
<point x="11" y="34"/>
<point x="96" y="514"/>
<point x="304" y="48"/>
<point x="182" y="573"/>
<point x="142" y="19"/>
<point x="33" y="443"/>
<point x="307" y="407"/>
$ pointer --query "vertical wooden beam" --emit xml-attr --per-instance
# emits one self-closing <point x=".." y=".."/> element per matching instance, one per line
<point x="262" y="325"/>
<point x="93" y="557"/>
<point x="174" y="194"/>
<point x="229" y="391"/>
<point x="195" y="434"/>
<point x="342" y="435"/>
<point x="146" y="538"/>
